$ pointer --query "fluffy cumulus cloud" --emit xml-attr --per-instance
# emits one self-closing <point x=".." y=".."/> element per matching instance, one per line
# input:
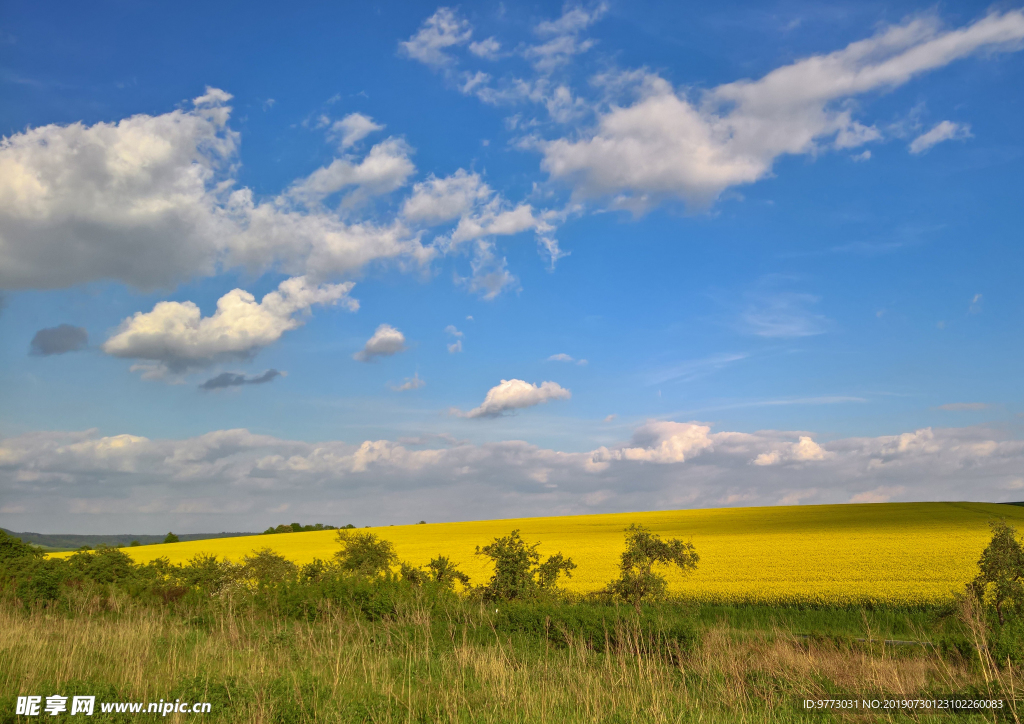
<point x="384" y="169"/>
<point x="659" y="442"/>
<point x="672" y="144"/>
<point x="353" y="128"/>
<point x="131" y="200"/>
<point x="175" y="337"/>
<point x="386" y="341"/>
<point x="61" y="339"/>
<point x="944" y="131"/>
<point x="802" y="450"/>
<point x="153" y="200"/>
<point x="478" y="210"/>
<point x="235" y="478"/>
<point x="515" y="395"/>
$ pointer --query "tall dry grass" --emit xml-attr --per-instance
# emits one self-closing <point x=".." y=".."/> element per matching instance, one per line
<point x="258" y="668"/>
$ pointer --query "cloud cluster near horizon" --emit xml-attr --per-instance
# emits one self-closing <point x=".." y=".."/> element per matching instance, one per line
<point x="238" y="476"/>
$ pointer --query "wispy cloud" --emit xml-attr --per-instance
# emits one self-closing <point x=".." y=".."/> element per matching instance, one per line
<point x="694" y="369"/>
<point x="409" y="383"/>
<point x="563" y="357"/>
<point x="964" y="406"/>
<point x="780" y="401"/>
<point x="784" y="315"/>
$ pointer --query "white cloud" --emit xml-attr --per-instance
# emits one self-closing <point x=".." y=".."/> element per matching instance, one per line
<point x="386" y="341"/>
<point x="353" y="128"/>
<point x="515" y="395"/>
<point x="439" y="200"/>
<point x="152" y="201"/>
<point x="562" y="357"/>
<point x="129" y="200"/>
<point x="573" y="20"/>
<point x="962" y="406"/>
<point x="176" y="337"/>
<point x="481" y="212"/>
<point x="660" y="442"/>
<point x="804" y="450"/>
<point x="669" y="145"/>
<point x="455" y="346"/>
<point x="384" y="169"/>
<point x="565" y="42"/>
<point x="442" y="30"/>
<point x="945" y="131"/>
<point x="488" y="48"/>
<point x="784" y="315"/>
<point x="490" y="275"/>
<point x="556" y="52"/>
<point x="409" y="383"/>
<point x="233" y="478"/>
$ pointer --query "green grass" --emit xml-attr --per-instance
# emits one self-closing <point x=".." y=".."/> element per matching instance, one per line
<point x="465" y="662"/>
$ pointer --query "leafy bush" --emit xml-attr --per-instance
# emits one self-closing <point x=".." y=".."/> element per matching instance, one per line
<point x="365" y="554"/>
<point x="1000" y="580"/>
<point x="518" y="572"/>
<point x="12" y="549"/>
<point x="266" y="568"/>
<point x="637" y="580"/>
<point x="105" y="565"/>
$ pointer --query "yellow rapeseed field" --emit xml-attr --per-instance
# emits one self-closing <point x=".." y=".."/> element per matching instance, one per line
<point x="887" y="552"/>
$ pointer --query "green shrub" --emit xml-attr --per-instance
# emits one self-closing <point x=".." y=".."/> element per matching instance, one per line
<point x="637" y="580"/>
<point x="12" y="549"/>
<point x="518" y="572"/>
<point x="365" y="553"/>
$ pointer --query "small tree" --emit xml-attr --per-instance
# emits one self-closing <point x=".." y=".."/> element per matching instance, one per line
<point x="171" y="538"/>
<point x="637" y="580"/>
<point x="265" y="567"/>
<point x="445" y="573"/>
<point x="365" y="553"/>
<point x="1000" y="579"/>
<point x="518" y="572"/>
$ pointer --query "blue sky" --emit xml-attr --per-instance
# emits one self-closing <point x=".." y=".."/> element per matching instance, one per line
<point x="521" y="260"/>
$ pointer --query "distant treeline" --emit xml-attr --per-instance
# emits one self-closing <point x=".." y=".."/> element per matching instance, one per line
<point x="68" y="541"/>
<point x="298" y="528"/>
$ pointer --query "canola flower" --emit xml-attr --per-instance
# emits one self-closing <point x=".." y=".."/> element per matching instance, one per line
<point x="893" y="553"/>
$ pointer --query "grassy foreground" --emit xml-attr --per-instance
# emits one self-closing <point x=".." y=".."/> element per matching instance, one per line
<point x="891" y="553"/>
<point x="470" y="663"/>
<point x="267" y="641"/>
